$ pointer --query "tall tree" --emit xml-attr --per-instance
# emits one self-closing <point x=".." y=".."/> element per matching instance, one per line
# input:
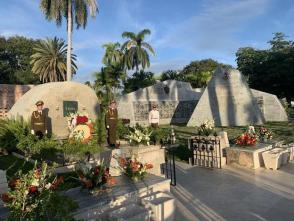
<point x="279" y="42"/>
<point x="139" y="80"/>
<point x="73" y="11"/>
<point x="49" y="60"/>
<point x="136" y="50"/>
<point x="198" y="73"/>
<point x="270" y="70"/>
<point x="102" y="86"/>
<point x="113" y="54"/>
<point x="171" y="75"/>
<point x="15" y="67"/>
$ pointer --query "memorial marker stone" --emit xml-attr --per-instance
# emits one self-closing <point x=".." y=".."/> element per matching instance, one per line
<point x="69" y="107"/>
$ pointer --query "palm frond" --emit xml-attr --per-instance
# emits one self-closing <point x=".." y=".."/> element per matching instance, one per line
<point x="130" y="35"/>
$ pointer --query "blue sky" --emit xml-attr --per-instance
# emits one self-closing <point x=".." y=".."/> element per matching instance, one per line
<point x="182" y="30"/>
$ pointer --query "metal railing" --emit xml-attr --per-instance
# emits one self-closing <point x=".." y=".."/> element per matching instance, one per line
<point x="205" y="151"/>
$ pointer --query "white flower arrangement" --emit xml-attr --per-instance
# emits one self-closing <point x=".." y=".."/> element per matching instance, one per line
<point x="251" y="129"/>
<point x="73" y="120"/>
<point x="139" y="136"/>
<point x="206" y="128"/>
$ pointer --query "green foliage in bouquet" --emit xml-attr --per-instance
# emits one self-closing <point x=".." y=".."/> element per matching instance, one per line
<point x="33" y="196"/>
<point x="94" y="176"/>
<point x="139" y="135"/>
<point x="206" y="128"/>
<point x="76" y="150"/>
<point x="133" y="168"/>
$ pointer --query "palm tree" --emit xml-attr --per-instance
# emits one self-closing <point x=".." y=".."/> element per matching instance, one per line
<point x="49" y="60"/>
<point x="113" y="54"/>
<point x="102" y="87"/>
<point x="76" y="10"/>
<point x="136" y="50"/>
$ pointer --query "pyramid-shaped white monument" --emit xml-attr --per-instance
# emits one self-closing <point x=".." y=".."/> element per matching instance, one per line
<point x="228" y="101"/>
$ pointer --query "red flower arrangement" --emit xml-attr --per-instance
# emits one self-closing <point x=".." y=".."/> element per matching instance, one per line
<point x="265" y="133"/>
<point x="94" y="176"/>
<point x="133" y="168"/>
<point x="246" y="139"/>
<point x="82" y="120"/>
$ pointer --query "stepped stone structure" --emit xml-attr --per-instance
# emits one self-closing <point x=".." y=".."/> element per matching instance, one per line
<point x="270" y="106"/>
<point x="176" y="102"/>
<point x="60" y="98"/>
<point x="228" y="101"/>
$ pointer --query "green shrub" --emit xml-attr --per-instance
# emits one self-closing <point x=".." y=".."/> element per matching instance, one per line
<point x="182" y="153"/>
<point x="11" y="132"/>
<point x="122" y="129"/>
<point x="159" y="134"/>
<point x="75" y="150"/>
<point x="100" y="129"/>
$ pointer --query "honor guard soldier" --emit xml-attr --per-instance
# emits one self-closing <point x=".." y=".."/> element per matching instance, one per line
<point x="154" y="117"/>
<point x="111" y="124"/>
<point x="39" y="121"/>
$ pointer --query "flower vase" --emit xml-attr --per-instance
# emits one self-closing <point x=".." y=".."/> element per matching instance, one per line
<point x="264" y="140"/>
<point x="135" y="179"/>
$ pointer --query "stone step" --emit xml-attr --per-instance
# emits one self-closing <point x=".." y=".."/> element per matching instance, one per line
<point x="161" y="204"/>
<point x="125" y="192"/>
<point x="131" y="212"/>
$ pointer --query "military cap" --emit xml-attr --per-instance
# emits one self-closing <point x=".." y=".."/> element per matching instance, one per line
<point x="39" y="103"/>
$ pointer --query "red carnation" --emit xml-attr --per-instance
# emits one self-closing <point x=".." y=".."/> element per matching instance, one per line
<point x="97" y="171"/>
<point x="33" y="189"/>
<point x="82" y="120"/>
<point x="6" y="198"/>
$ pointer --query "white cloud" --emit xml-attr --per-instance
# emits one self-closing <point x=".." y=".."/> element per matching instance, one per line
<point x="214" y="27"/>
<point x="173" y="64"/>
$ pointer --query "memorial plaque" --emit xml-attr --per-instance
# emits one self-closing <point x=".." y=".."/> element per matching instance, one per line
<point x="260" y="103"/>
<point x="167" y="109"/>
<point x="69" y="107"/>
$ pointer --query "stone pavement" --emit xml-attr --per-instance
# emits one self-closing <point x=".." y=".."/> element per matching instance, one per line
<point x="234" y="194"/>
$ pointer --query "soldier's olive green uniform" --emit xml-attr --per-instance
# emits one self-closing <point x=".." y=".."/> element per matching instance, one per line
<point x="111" y="121"/>
<point x="39" y="123"/>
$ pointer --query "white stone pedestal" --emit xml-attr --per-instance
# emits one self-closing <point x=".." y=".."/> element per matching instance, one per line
<point x="162" y="206"/>
<point x="153" y="154"/>
<point x="273" y="159"/>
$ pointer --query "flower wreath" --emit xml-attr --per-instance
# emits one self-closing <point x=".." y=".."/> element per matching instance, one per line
<point x="80" y="127"/>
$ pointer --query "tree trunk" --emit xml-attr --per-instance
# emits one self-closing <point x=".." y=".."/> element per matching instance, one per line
<point x="69" y="42"/>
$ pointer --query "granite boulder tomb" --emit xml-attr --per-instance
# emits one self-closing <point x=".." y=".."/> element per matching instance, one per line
<point x="61" y="99"/>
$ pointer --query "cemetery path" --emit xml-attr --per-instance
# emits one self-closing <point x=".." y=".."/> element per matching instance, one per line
<point x="234" y="194"/>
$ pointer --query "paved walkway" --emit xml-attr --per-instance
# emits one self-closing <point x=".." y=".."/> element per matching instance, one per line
<point x="234" y="194"/>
